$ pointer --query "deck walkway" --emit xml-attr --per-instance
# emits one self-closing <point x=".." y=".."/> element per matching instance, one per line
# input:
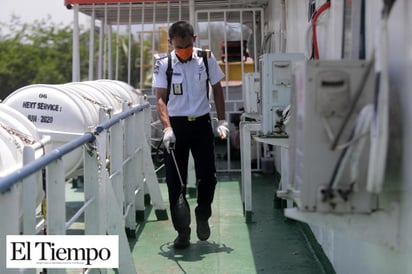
<point x="270" y="244"/>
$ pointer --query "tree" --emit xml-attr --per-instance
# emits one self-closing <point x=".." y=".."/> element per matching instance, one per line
<point x="136" y="62"/>
<point x="35" y="53"/>
<point x="42" y="53"/>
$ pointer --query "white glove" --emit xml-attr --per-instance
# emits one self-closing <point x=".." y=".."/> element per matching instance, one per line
<point x="169" y="138"/>
<point x="222" y="129"/>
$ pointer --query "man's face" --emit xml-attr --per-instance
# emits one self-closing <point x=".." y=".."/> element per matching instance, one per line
<point x="182" y="43"/>
<point x="183" y="47"/>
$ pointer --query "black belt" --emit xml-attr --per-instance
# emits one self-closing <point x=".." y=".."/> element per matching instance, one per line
<point x="191" y="118"/>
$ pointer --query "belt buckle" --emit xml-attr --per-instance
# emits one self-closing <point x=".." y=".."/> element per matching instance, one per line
<point x="191" y="119"/>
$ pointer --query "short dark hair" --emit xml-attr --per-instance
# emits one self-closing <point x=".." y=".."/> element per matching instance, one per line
<point x="181" y="29"/>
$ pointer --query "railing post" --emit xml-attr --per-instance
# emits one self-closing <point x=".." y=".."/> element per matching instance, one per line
<point x="55" y="192"/>
<point x="56" y="205"/>
<point x="245" y="144"/>
<point x="139" y="162"/>
<point x="94" y="162"/>
<point x="103" y="188"/>
<point x="29" y="193"/>
<point x="147" y="113"/>
<point x="96" y="182"/>
<point x="10" y="213"/>
<point x="148" y="169"/>
<point x="113" y="209"/>
<point x="91" y="214"/>
<point x="116" y="161"/>
<point x="130" y="174"/>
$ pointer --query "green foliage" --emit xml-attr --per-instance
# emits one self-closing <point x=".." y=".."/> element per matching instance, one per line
<point x="136" y="63"/>
<point x="41" y="52"/>
<point x="34" y="53"/>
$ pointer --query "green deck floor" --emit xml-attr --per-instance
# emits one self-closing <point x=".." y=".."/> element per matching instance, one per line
<point x="270" y="244"/>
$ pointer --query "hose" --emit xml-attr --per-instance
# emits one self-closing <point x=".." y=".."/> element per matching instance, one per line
<point x="316" y="15"/>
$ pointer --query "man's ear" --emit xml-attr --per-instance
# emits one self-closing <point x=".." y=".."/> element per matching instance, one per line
<point x="170" y="42"/>
<point x="194" y="38"/>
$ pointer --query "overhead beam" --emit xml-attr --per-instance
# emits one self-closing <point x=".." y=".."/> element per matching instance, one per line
<point x="72" y="2"/>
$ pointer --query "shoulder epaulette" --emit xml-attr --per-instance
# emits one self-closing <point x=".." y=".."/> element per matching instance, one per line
<point x="204" y="53"/>
<point x="159" y="56"/>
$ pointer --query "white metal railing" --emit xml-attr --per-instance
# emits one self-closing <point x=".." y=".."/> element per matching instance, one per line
<point x="146" y="21"/>
<point x="246" y="20"/>
<point x="112" y="196"/>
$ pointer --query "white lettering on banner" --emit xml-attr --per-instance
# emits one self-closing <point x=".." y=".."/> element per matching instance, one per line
<point x="62" y="251"/>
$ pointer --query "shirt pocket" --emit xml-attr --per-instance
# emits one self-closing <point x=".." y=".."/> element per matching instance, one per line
<point x="202" y="75"/>
<point x="200" y="83"/>
<point x="177" y="78"/>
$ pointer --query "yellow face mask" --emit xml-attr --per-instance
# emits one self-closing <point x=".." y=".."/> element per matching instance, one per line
<point x="185" y="53"/>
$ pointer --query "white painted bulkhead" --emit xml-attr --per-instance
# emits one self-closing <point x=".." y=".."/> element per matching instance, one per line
<point x="346" y="249"/>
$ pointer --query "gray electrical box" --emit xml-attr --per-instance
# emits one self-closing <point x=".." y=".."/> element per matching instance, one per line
<point x="275" y="85"/>
<point x="326" y="92"/>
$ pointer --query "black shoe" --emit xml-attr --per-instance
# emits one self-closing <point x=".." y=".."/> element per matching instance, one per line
<point x="202" y="229"/>
<point x="182" y="241"/>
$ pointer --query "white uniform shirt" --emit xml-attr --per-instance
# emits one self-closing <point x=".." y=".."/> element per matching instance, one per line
<point x="188" y="94"/>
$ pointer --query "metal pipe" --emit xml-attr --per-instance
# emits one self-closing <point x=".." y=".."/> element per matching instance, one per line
<point x="261" y="32"/>
<point x="91" y="43"/>
<point x="168" y="14"/>
<point x="154" y="28"/>
<point x="40" y="225"/>
<point x="129" y="50"/>
<point x="100" y="62"/>
<point x="120" y="116"/>
<point x="226" y="57"/>
<point x="192" y="12"/>
<point x="76" y="48"/>
<point x="126" y="212"/>
<point x="180" y="10"/>
<point x="8" y="181"/>
<point x="255" y="53"/>
<point x="177" y="168"/>
<point x="116" y="77"/>
<point x="105" y="45"/>
<point x="142" y="48"/>
<point x="242" y="61"/>
<point x="109" y="52"/>
<point x="79" y="212"/>
<point x="209" y="33"/>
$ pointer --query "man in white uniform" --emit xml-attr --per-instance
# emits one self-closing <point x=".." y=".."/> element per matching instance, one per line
<point x="183" y="108"/>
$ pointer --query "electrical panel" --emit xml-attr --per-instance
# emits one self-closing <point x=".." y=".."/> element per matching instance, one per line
<point x="250" y="90"/>
<point x="329" y="146"/>
<point x="275" y="85"/>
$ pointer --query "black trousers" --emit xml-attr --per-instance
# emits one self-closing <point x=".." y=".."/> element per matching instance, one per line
<point x="195" y="136"/>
